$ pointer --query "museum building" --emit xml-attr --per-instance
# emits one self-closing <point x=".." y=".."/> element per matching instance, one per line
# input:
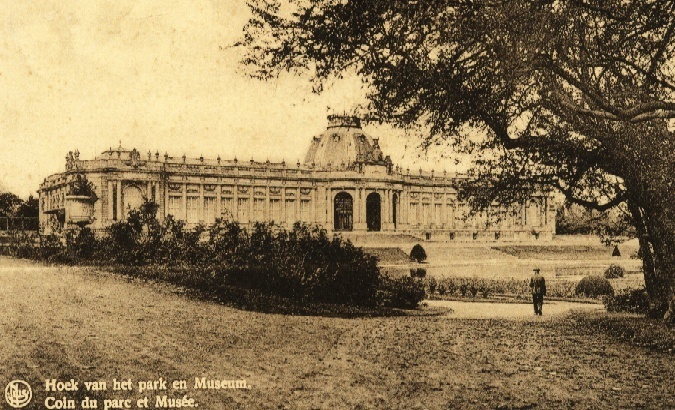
<point x="345" y="184"/>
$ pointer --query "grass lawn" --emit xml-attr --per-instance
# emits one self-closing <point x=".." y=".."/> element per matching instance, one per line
<point x="389" y="255"/>
<point x="76" y="323"/>
<point x="545" y="252"/>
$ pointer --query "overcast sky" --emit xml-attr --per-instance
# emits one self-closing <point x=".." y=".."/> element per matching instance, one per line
<point x="157" y="75"/>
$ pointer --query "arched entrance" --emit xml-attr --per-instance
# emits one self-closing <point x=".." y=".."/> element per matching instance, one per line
<point x="373" y="212"/>
<point x="394" y="209"/>
<point x="133" y="199"/>
<point x="344" y="212"/>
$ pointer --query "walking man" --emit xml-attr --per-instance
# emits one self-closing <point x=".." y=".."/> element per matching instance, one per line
<point x="538" y="285"/>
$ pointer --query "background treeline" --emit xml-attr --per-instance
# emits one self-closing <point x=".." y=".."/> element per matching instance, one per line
<point x="572" y="219"/>
<point x="11" y="206"/>
<point x="302" y="265"/>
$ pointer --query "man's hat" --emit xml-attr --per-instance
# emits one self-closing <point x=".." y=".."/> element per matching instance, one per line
<point x="536" y="269"/>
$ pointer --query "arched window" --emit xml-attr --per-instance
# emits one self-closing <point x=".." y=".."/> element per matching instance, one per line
<point x="373" y="212"/>
<point x="344" y="212"/>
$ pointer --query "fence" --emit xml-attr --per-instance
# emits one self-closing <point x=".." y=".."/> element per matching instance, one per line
<point x="19" y="224"/>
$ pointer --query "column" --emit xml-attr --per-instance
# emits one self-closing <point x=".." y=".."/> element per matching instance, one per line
<point x="313" y="216"/>
<point x="444" y="210"/>
<point x="403" y="208"/>
<point x="111" y="200"/>
<point x="235" y="201"/>
<point x="329" y="209"/>
<point x="219" y="210"/>
<point x="384" y="210"/>
<point x="184" y="204"/>
<point x="357" y="205"/>
<point x="119" y="200"/>
<point x="251" y="200"/>
<point x="283" y="204"/>
<point x="360" y="209"/>
<point x="201" y="203"/>
<point x="164" y="193"/>
<point x="298" y="198"/>
<point x="266" y="209"/>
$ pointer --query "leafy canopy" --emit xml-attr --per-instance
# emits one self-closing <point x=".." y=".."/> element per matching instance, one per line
<point x="562" y="91"/>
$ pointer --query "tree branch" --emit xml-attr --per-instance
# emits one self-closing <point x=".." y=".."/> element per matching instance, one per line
<point x="569" y="194"/>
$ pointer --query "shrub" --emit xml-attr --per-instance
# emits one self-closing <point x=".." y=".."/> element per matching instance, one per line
<point x="594" y="286"/>
<point x="418" y="272"/>
<point x="81" y="243"/>
<point x="302" y="264"/>
<point x="451" y="287"/>
<point x="418" y="254"/>
<point x="473" y="289"/>
<point x="614" y="271"/>
<point x="401" y="293"/>
<point x="432" y="283"/>
<point x="21" y="245"/>
<point x="628" y="300"/>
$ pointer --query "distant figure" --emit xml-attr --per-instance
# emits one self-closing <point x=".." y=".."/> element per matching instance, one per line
<point x="538" y="285"/>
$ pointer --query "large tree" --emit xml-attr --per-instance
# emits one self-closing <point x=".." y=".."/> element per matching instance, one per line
<point x="575" y="95"/>
<point x="9" y="204"/>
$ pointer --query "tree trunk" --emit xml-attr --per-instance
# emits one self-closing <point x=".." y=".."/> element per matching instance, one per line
<point x="654" y="218"/>
<point x="661" y="285"/>
<point x="646" y="253"/>
<point x="649" y="170"/>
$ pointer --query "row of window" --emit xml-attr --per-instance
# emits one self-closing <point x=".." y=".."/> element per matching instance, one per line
<point x="243" y="210"/>
<point x="455" y="215"/>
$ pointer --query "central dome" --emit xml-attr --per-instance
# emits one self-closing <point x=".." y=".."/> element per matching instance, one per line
<point x="343" y="144"/>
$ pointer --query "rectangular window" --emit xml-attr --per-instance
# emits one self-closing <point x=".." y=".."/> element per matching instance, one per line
<point x="535" y="220"/>
<point x="175" y="206"/>
<point x="259" y="209"/>
<point x="226" y="205"/>
<point x="193" y="214"/>
<point x="290" y="212"/>
<point x="114" y="199"/>
<point x="209" y="209"/>
<point x="426" y="214"/>
<point x="242" y="210"/>
<point x="438" y="214"/>
<point x="413" y="213"/>
<point x="304" y="210"/>
<point x="275" y="210"/>
<point x="464" y="219"/>
<point x="450" y="214"/>
<point x="506" y="219"/>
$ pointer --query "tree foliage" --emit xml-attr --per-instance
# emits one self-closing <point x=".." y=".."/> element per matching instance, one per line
<point x="302" y="265"/>
<point x="9" y="204"/>
<point x="612" y="225"/>
<point x="13" y="207"/>
<point x="568" y="95"/>
<point x="418" y="254"/>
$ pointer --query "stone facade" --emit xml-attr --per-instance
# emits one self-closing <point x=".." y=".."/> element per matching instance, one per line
<point x="345" y="185"/>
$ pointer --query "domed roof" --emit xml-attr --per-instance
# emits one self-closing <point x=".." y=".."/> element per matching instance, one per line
<point x="342" y="144"/>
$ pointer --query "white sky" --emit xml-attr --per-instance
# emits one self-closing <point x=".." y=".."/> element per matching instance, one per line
<point x="156" y="75"/>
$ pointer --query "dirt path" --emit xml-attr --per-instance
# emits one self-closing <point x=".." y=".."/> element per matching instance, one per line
<point x="74" y="323"/>
<point x="480" y="310"/>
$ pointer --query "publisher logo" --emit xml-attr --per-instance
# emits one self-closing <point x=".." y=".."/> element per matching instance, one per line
<point x="18" y="393"/>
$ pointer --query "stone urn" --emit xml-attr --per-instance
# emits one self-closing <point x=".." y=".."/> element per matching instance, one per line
<point x="79" y="209"/>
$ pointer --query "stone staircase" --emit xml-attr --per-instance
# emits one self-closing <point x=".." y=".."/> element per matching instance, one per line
<point x="378" y="239"/>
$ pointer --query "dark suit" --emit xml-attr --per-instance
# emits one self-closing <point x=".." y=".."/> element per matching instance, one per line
<point x="538" y="285"/>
